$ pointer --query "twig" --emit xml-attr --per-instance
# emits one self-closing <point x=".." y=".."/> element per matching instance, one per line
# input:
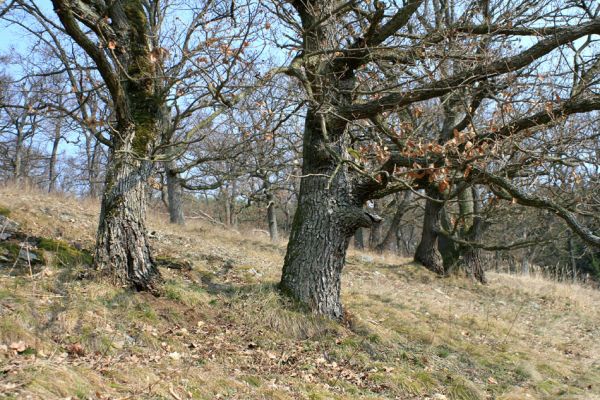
<point x="513" y="323"/>
<point x="208" y="217"/>
<point x="175" y="395"/>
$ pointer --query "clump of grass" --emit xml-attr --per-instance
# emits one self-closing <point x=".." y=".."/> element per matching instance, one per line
<point x="4" y="211"/>
<point x="461" y="389"/>
<point x="10" y="249"/>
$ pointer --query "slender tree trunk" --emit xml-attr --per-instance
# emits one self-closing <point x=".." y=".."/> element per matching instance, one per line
<point x="18" y="160"/>
<point x="427" y="252"/>
<point x="232" y="201"/>
<point x="175" y="195"/>
<point x="53" y="157"/>
<point x="377" y="229"/>
<point x="572" y="259"/>
<point x="122" y="248"/>
<point x="271" y="212"/>
<point x="525" y="265"/>
<point x="389" y="241"/>
<point x="225" y="192"/>
<point x="93" y="151"/>
<point x="472" y="257"/>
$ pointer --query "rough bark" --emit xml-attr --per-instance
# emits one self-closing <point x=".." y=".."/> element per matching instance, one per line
<point x="122" y="248"/>
<point x="427" y="252"/>
<point x="326" y="218"/>
<point x="330" y="207"/>
<point x="462" y="256"/>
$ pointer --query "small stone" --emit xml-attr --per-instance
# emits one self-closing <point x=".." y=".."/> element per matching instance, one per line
<point x="8" y="228"/>
<point x="367" y="259"/>
<point x="27" y="255"/>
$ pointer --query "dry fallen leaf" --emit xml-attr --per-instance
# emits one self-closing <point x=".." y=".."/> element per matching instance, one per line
<point x="75" y="349"/>
<point x="19" y="346"/>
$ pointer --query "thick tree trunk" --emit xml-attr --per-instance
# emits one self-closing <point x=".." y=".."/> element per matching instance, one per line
<point x="449" y="250"/>
<point x="122" y="249"/>
<point x="316" y="253"/>
<point x="326" y="218"/>
<point x="427" y="252"/>
<point x="174" y="195"/>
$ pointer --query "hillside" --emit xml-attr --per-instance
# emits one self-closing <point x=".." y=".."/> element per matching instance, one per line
<point x="221" y="330"/>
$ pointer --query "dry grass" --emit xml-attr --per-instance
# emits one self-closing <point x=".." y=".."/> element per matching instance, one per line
<point x="227" y="333"/>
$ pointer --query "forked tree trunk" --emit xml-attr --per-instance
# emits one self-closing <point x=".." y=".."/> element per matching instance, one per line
<point x="427" y="252"/>
<point x="122" y="249"/>
<point x="175" y="196"/>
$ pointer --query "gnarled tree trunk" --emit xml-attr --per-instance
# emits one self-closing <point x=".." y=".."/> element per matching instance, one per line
<point x="122" y="248"/>
<point x="326" y="218"/>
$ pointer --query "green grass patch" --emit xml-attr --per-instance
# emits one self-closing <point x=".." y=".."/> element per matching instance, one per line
<point x="66" y="254"/>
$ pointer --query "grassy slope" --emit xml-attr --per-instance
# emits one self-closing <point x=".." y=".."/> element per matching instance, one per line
<point x="223" y="332"/>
